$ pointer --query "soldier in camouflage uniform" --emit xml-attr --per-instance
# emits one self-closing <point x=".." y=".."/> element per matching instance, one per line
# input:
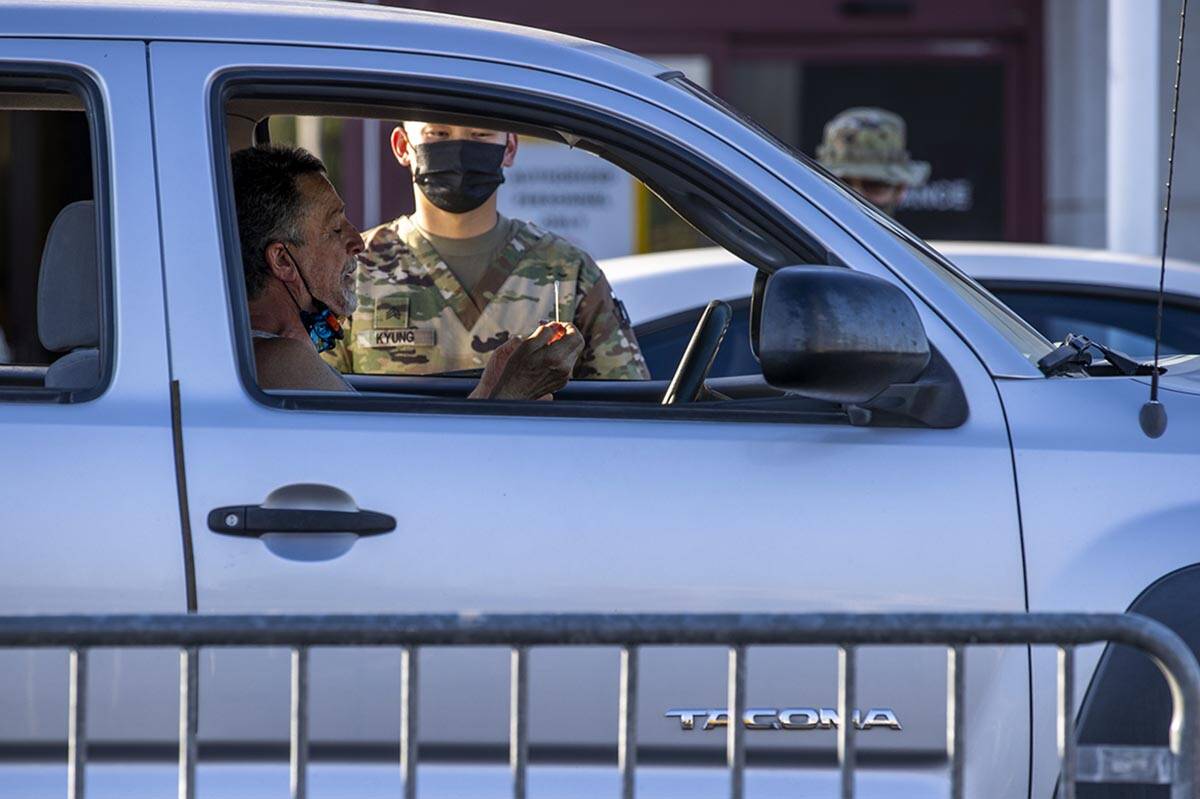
<point x="429" y="304"/>
<point x="865" y="148"/>
<point x="300" y="256"/>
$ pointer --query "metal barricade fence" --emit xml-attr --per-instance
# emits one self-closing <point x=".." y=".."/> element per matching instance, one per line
<point x="1176" y="765"/>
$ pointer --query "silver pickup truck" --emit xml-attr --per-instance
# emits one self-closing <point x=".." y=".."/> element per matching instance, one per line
<point x="907" y="453"/>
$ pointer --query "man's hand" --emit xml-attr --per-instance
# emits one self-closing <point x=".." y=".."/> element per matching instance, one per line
<point x="533" y="367"/>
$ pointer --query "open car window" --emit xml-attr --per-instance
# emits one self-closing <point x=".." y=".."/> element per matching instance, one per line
<point x="433" y="304"/>
<point x="664" y="341"/>
<point x="55" y="339"/>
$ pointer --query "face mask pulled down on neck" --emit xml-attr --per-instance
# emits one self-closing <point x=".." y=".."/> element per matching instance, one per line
<point x="458" y="175"/>
<point x="322" y="324"/>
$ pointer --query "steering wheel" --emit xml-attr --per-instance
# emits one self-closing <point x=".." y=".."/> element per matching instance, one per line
<point x="698" y="358"/>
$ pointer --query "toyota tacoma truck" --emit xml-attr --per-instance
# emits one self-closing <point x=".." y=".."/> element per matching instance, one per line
<point x="901" y="450"/>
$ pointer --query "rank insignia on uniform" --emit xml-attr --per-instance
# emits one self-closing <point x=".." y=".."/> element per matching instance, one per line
<point x="392" y="311"/>
<point x="397" y="337"/>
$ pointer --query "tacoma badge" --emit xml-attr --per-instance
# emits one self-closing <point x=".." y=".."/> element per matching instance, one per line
<point x="791" y="718"/>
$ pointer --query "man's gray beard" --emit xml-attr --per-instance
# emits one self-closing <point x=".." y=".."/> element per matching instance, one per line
<point x="349" y="295"/>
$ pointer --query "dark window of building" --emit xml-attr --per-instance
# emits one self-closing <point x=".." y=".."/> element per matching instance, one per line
<point x="955" y="118"/>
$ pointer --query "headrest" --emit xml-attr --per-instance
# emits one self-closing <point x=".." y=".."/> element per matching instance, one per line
<point x="68" y="311"/>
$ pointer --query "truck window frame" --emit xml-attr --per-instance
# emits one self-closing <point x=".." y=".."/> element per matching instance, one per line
<point x="59" y="78"/>
<point x="449" y="97"/>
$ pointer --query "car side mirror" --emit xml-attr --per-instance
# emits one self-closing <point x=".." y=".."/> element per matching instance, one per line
<point x="833" y="334"/>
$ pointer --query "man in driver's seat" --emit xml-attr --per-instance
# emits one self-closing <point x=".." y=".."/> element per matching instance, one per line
<point x="299" y="255"/>
<point x="440" y="290"/>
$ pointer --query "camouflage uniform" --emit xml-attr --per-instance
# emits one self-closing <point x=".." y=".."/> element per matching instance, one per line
<point x="415" y="318"/>
<point x="868" y="143"/>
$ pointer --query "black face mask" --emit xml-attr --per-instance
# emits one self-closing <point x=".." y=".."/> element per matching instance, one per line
<point x="458" y="175"/>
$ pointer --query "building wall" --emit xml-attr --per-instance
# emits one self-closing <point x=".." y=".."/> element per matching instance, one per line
<point x="1185" y="206"/>
<point x="1075" y="117"/>
<point x="1074" y="84"/>
<point x="1076" y="48"/>
<point x="794" y="65"/>
<point x="1075" y="39"/>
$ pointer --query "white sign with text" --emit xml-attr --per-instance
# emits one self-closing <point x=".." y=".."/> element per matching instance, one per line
<point x="573" y="193"/>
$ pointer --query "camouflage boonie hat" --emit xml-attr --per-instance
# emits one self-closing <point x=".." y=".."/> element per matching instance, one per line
<point x="868" y="143"/>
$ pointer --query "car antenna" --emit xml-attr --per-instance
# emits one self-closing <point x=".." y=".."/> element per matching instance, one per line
<point x="1153" y="416"/>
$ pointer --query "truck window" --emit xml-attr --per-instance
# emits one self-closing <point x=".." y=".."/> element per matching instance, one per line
<point x="664" y="340"/>
<point x="417" y="301"/>
<point x="52" y="341"/>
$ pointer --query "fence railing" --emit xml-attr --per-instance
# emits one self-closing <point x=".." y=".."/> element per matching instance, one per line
<point x="1176" y="765"/>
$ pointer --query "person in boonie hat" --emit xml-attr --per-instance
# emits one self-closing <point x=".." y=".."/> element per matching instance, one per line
<point x="865" y="147"/>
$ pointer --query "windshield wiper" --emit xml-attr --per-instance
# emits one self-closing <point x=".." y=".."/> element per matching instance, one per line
<point x="1074" y="355"/>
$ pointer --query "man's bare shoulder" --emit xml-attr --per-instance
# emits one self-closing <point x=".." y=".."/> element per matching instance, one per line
<point x="285" y="363"/>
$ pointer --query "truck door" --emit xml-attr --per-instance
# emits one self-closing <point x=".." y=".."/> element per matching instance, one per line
<point x="550" y="510"/>
<point x="89" y="513"/>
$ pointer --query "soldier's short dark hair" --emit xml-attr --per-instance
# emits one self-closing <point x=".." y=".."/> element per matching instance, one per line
<point x="269" y="204"/>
